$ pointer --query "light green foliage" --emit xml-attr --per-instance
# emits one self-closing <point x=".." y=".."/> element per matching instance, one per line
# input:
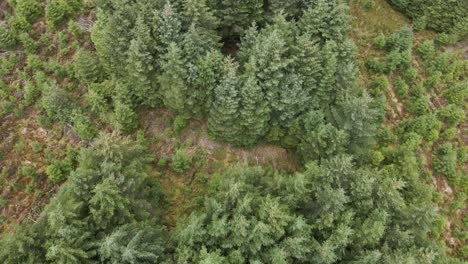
<point x="57" y="11"/>
<point x="83" y="126"/>
<point x="181" y="162"/>
<point x="7" y="38"/>
<point x="260" y="227"/>
<point x="446" y="160"/>
<point x="58" y="171"/>
<point x="440" y="16"/>
<point x="254" y="113"/>
<point x="29" y="9"/>
<point x="31" y="93"/>
<point x="133" y="243"/>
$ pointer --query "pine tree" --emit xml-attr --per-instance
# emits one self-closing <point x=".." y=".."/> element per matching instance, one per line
<point x="209" y="71"/>
<point x="172" y="80"/>
<point x="133" y="243"/>
<point x="254" y="112"/>
<point x="169" y="28"/>
<point x="307" y="63"/>
<point x="198" y="14"/>
<point x="235" y="16"/>
<point x="124" y="119"/>
<point x="112" y="35"/>
<point x="224" y="113"/>
<point x="140" y="67"/>
<point x="326" y="20"/>
<point x="87" y="67"/>
<point x="327" y="84"/>
<point x="270" y="55"/>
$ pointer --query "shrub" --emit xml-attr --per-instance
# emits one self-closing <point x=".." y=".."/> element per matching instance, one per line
<point x="74" y="29"/>
<point x="426" y="49"/>
<point x="379" y="42"/>
<point x="31" y="92"/>
<point x="58" y="10"/>
<point x="380" y="83"/>
<point x="29" y="9"/>
<point x="452" y="114"/>
<point x="401" y="87"/>
<point x="57" y="104"/>
<point x="180" y="122"/>
<point x="20" y="24"/>
<point x="58" y="171"/>
<point x="83" y="126"/>
<point x="36" y="146"/>
<point x="181" y="162"/>
<point x="419" y="23"/>
<point x="7" y="38"/>
<point x="446" y="160"/>
<point x="410" y="75"/>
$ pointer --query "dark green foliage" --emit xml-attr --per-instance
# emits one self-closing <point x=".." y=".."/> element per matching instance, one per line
<point x="83" y="126"/>
<point x="57" y="104"/>
<point x="223" y="118"/>
<point x="99" y="215"/>
<point x="236" y="16"/>
<point x="442" y="16"/>
<point x="446" y="160"/>
<point x="343" y="213"/>
<point x="87" y="67"/>
<point x="125" y="119"/>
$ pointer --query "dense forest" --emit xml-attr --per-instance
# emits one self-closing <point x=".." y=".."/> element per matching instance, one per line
<point x="222" y="131"/>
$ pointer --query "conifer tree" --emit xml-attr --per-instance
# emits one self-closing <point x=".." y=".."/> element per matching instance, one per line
<point x="112" y="35"/>
<point x="236" y="16"/>
<point x="327" y="84"/>
<point x="169" y="28"/>
<point x="209" y="71"/>
<point x="307" y="63"/>
<point x="224" y="113"/>
<point x="172" y="80"/>
<point x="133" y="243"/>
<point x="254" y="113"/>
<point x="140" y="67"/>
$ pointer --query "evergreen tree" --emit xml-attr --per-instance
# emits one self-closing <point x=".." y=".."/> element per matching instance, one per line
<point x="254" y="112"/>
<point x="133" y="243"/>
<point x="235" y="16"/>
<point x="209" y="71"/>
<point x="169" y="28"/>
<point x="87" y="67"/>
<point x="141" y="64"/>
<point x="172" y="80"/>
<point x="327" y="85"/>
<point x="224" y="113"/>
<point x="112" y="35"/>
